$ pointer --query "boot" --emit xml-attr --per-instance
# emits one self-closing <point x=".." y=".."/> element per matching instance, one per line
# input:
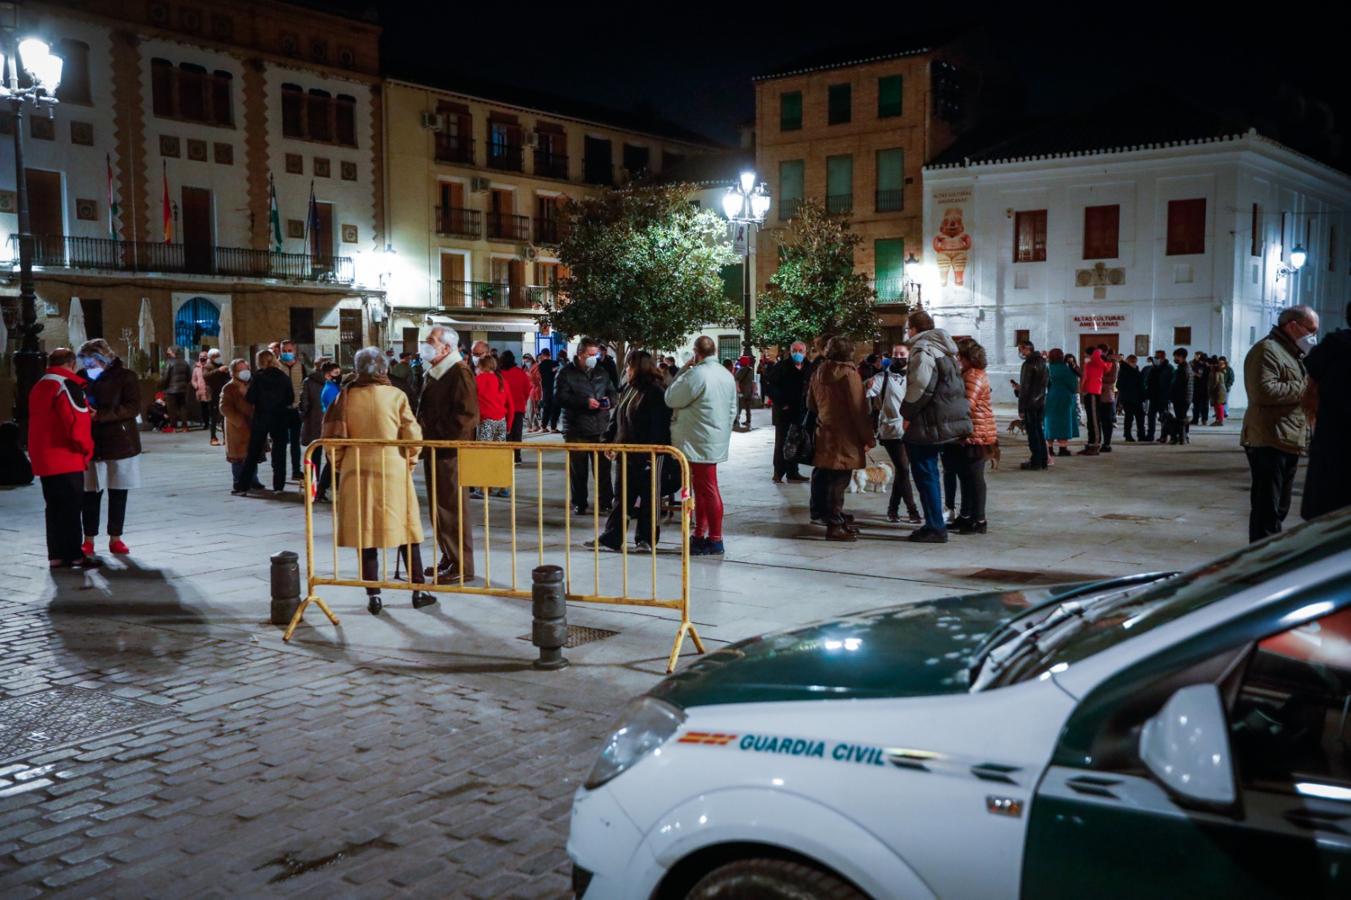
<point x="840" y="532"/>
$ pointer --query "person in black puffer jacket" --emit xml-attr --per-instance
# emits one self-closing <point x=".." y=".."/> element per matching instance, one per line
<point x="1180" y="396"/>
<point x="586" y="394"/>
<point x="936" y="414"/>
<point x="114" y="394"/>
<point x="271" y="394"/>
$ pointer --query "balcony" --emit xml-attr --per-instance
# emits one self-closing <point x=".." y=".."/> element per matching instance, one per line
<point x="839" y="203"/>
<point x="890" y="290"/>
<point x="507" y="227"/>
<point x="598" y="171"/>
<point x="890" y="201"/>
<point x="788" y="208"/>
<point x="465" y="223"/>
<point x="506" y="157"/>
<point x="551" y="165"/>
<point x="489" y="295"/>
<point x="66" y="252"/>
<point x="550" y="231"/>
<point x="454" y="148"/>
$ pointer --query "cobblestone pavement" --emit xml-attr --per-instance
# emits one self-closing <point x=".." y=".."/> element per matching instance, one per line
<point x="157" y="738"/>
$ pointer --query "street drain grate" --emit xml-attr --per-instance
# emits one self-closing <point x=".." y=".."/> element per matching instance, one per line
<point x="581" y="634"/>
<point x="1023" y="576"/>
<point x="65" y="715"/>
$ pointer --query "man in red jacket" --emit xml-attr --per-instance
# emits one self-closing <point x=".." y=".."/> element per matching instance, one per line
<point x="1091" y="388"/>
<point x="61" y="444"/>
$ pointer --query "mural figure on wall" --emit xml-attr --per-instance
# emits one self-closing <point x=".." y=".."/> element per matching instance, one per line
<point x="952" y="244"/>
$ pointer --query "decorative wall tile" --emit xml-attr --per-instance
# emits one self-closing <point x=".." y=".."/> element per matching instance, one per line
<point x="321" y="167"/>
<point x="196" y="150"/>
<point x="348" y="169"/>
<point x="88" y="210"/>
<point x="8" y="202"/>
<point x="347" y="57"/>
<point x="295" y="228"/>
<point x="295" y="164"/>
<point x="82" y="133"/>
<point x="225" y="154"/>
<point x="43" y="128"/>
<point x="349" y="234"/>
<point x="168" y="145"/>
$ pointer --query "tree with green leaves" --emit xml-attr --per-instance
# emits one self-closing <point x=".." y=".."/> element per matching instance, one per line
<point x="815" y="292"/>
<point x="644" y="268"/>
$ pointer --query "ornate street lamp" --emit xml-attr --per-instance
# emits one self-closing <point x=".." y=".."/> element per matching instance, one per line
<point x="1298" y="257"/>
<point x="43" y="69"/>
<point x="746" y="203"/>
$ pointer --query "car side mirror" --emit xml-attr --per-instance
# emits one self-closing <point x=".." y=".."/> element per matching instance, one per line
<point x="1186" y="747"/>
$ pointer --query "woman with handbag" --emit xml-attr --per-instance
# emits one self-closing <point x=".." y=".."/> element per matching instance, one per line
<point x="114" y="394"/>
<point x="887" y="389"/>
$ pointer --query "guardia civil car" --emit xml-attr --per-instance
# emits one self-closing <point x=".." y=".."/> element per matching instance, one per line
<point x="1152" y="736"/>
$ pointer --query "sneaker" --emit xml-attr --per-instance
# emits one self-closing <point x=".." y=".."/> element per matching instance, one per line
<point x="476" y="494"/>
<point x="642" y="547"/>
<point x="87" y="548"/>
<point x="712" y="548"/>
<point x="697" y="545"/>
<point x="116" y="547"/>
<point x="502" y="492"/>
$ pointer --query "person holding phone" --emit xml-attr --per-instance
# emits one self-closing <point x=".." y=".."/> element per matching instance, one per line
<point x="585" y="393"/>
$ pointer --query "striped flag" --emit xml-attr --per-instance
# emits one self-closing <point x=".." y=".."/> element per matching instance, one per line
<point x="168" y="210"/>
<point x="113" y="210"/>
<point x="273" y="214"/>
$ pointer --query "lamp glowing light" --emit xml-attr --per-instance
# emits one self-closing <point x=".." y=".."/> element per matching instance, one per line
<point x="41" y="64"/>
<point x="1298" y="256"/>
<point x="732" y="204"/>
<point x="747" y="182"/>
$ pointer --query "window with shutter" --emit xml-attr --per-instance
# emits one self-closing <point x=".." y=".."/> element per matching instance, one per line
<point x="346" y="119"/>
<point x="74" y="86"/>
<point x="222" y="112"/>
<point x="292" y="120"/>
<point x="790" y="111"/>
<point x="890" y="180"/>
<point x="840" y="103"/>
<point x="192" y="92"/>
<point x="318" y="109"/>
<point x="1256" y="248"/>
<point x="1186" y="227"/>
<point x="889" y="268"/>
<point x="889" y="97"/>
<point x="1029" y="244"/>
<point x="162" y="86"/>
<point x="1102" y="232"/>
<point x="839" y="183"/>
<point x="790" y="188"/>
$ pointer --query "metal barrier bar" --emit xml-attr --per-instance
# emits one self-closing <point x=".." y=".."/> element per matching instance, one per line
<point x="344" y="450"/>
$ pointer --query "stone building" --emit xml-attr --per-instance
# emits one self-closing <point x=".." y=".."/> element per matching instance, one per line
<point x="199" y="108"/>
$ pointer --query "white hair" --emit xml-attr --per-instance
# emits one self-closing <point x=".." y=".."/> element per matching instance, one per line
<point x="448" y="335"/>
<point x="371" y="361"/>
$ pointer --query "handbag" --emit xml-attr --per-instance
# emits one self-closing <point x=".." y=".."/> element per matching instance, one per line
<point x="799" y="444"/>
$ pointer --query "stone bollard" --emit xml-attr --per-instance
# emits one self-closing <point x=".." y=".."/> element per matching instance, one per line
<point x="549" y="630"/>
<point x="285" y="586"/>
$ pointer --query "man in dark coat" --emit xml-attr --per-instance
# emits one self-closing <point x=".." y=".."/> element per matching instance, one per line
<point x="273" y="399"/>
<point x="448" y="411"/>
<point x="1327" y="484"/>
<point x="786" y="387"/>
<point x="175" y="383"/>
<point x="548" y="368"/>
<point x="1158" y="382"/>
<point x="1130" y="389"/>
<point x="1180" y="396"/>
<point x="1201" y="389"/>
<point x="586" y="394"/>
<point x="1031" y="390"/>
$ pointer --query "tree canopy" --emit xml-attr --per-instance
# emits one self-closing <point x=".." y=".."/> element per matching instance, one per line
<point x="644" y="268"/>
<point x="815" y="292"/>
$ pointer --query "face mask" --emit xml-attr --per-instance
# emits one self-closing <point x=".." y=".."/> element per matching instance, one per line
<point x="591" y="361"/>
<point x="92" y="374"/>
<point x="244" y="375"/>
<point x="288" y="357"/>
<point x="1306" y="343"/>
<point x="898" y="365"/>
<point x="799" y="357"/>
<point x="427" y="353"/>
<point x="886" y="362"/>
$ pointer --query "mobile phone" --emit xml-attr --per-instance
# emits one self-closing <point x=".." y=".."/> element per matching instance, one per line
<point x="604" y="402"/>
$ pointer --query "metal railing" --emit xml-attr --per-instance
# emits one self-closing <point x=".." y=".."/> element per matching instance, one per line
<point x="378" y="474"/>
<point x="459" y="222"/>
<point x="890" y="290"/>
<point x="551" y="165"/>
<point x="490" y="295"/>
<point x="788" y="208"/>
<point x="550" y="231"/>
<point x="890" y="201"/>
<point x="454" y="148"/>
<point x="55" y="251"/>
<point x="507" y="157"/>
<point x="508" y="227"/>
<point x="839" y="203"/>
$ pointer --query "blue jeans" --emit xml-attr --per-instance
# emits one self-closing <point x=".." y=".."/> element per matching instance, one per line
<point x="928" y="483"/>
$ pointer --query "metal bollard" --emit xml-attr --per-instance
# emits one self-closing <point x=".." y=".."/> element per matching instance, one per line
<point x="285" y="586"/>
<point x="549" y="630"/>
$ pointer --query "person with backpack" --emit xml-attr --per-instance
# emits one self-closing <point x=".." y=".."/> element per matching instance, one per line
<point x="936" y="413"/>
<point x="886" y="391"/>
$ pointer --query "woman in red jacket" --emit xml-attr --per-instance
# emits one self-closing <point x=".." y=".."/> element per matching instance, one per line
<point x="495" y="408"/>
<point x="977" y="448"/>
<point x="61" y="444"/>
<point x="518" y="383"/>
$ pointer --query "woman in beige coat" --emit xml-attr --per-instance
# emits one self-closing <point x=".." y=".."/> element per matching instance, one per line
<point x="237" y="414"/>
<point x="844" y="433"/>
<point x="376" y="504"/>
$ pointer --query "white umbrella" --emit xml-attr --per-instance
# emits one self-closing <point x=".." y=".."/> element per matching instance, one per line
<point x="75" y="324"/>
<point x="146" y="324"/>
<point x="227" y="331"/>
<point x="4" y="338"/>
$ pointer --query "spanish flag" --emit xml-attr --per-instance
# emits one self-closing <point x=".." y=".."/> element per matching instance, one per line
<point x="168" y="210"/>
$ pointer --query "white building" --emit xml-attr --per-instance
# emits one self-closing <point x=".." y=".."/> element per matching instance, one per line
<point x="1070" y="238"/>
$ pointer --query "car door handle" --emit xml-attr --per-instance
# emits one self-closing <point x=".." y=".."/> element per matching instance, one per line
<point x="1315" y="821"/>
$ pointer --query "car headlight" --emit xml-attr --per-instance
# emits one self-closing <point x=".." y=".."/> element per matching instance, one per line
<point x="645" y="725"/>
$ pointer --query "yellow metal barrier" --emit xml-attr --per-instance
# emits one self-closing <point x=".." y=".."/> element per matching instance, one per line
<point x="489" y="465"/>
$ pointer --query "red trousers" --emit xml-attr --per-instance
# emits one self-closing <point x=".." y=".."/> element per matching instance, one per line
<point x="707" y="501"/>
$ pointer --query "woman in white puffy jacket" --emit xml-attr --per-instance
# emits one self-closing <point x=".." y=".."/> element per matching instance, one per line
<point x="886" y="391"/>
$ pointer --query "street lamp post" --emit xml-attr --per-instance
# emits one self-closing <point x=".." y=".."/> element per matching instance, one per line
<point x="43" y="69"/>
<point x="746" y="203"/>
<point x="1298" y="256"/>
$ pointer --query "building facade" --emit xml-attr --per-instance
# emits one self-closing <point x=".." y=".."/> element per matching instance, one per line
<point x="151" y="179"/>
<point x="476" y="188"/>
<point x="1143" y="247"/>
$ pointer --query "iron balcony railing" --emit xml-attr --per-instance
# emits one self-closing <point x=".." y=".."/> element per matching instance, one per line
<point x="890" y="201"/>
<point x="788" y="208"/>
<point x="550" y="231"/>
<point x="454" y="148"/>
<point x="890" y="290"/>
<point x="67" y="252"/>
<point x="508" y="227"/>
<point x="454" y="222"/>
<point x="507" y="157"/>
<point x="551" y="165"/>
<point x="491" y="295"/>
<point x="839" y="203"/>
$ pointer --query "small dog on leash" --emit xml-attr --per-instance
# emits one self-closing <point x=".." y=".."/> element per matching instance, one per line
<point x="876" y="477"/>
<point x="1016" y="427"/>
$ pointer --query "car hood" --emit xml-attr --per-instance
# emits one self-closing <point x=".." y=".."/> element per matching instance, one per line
<point x="918" y="649"/>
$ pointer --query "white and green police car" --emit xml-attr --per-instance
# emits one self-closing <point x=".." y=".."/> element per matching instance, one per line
<point x="1152" y="736"/>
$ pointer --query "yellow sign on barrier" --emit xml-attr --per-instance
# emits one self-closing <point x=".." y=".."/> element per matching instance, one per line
<point x="367" y="483"/>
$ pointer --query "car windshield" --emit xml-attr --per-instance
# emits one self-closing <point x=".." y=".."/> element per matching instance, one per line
<point x="1122" y="616"/>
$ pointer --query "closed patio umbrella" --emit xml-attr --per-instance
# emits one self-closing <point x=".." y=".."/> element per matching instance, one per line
<point x="75" y="324"/>
<point x="227" y="330"/>
<point x="146" y="326"/>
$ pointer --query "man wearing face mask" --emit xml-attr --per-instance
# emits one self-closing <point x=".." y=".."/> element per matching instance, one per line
<point x="289" y="363"/>
<point x="448" y="411"/>
<point x="586" y="394"/>
<point x="1275" y="427"/>
<point x="786" y="387"/>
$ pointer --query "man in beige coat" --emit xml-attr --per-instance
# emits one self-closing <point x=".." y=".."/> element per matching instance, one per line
<point x="448" y="411"/>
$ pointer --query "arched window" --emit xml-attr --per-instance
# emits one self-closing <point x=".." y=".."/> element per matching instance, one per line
<point x="162" y="86"/>
<point x="222" y="111"/>
<point x="346" y="117"/>
<point x="75" y="75"/>
<point x="318" y="115"/>
<point x="292" y="115"/>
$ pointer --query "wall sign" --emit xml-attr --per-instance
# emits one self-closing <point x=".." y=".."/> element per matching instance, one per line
<point x="1113" y="323"/>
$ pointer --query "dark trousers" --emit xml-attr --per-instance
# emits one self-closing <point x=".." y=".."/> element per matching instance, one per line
<point x="1184" y="425"/>
<point x="971" y="473"/>
<point x="1200" y="409"/>
<point x="900" y="484"/>
<point x="551" y="410"/>
<point x="451" y="511"/>
<point x="928" y="483"/>
<point x="579" y="467"/>
<point x="516" y="431"/>
<point x="64" y="496"/>
<point x="950" y="456"/>
<point x="817" y="502"/>
<point x="177" y="406"/>
<point x="783" y="467"/>
<point x="1273" y="477"/>
<point x="117" y="511"/>
<point x="743" y="405"/>
<point x="640" y="503"/>
<point x="834" y="482"/>
<point x="1134" y="414"/>
<point x="209" y="416"/>
<point x="1156" y="411"/>
<point x="237" y="476"/>
<point x="292" y="440"/>
<point x="1034" y="423"/>
<point x="1090" y="404"/>
<point x="370" y="565"/>
<point x="1107" y="421"/>
<point x="279" y="431"/>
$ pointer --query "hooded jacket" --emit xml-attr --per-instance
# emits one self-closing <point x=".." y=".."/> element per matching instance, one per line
<point x="59" y="437"/>
<point x="1094" y="368"/>
<point x="935" y="407"/>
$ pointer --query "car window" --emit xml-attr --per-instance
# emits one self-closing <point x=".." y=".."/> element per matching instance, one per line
<point x="1291" y="723"/>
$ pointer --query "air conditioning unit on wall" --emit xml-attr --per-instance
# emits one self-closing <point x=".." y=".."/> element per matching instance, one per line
<point x="434" y="121"/>
<point x="529" y="251"/>
<point x="479" y="185"/>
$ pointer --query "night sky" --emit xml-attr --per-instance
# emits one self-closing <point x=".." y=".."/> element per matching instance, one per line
<point x="692" y="62"/>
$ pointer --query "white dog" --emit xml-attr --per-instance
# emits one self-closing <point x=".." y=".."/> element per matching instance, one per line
<point x="876" y="477"/>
